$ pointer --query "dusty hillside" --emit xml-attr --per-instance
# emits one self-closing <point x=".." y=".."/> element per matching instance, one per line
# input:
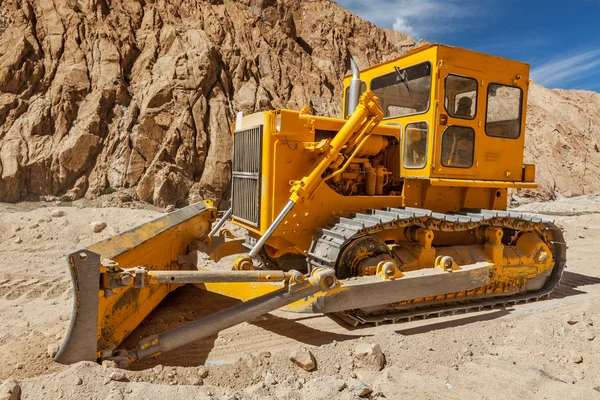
<point x="563" y="139"/>
<point x="97" y="96"/>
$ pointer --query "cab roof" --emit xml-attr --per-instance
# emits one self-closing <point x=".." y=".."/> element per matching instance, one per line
<point x="427" y="47"/>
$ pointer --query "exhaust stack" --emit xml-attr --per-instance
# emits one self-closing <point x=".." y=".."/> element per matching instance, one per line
<point x="354" y="91"/>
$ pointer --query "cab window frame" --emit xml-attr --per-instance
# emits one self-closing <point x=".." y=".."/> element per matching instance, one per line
<point x="487" y="101"/>
<point x="472" y="150"/>
<point x="426" y="145"/>
<point x="430" y="90"/>
<point x="476" y="96"/>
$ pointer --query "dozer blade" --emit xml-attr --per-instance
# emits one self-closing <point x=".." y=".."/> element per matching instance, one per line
<point x="102" y="319"/>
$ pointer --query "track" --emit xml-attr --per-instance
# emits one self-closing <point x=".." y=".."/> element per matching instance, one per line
<point x="329" y="242"/>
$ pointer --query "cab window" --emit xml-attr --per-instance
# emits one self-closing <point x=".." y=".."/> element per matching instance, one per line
<point x="415" y="145"/>
<point x="504" y="106"/>
<point x="461" y="97"/>
<point x="405" y="91"/>
<point x="458" y="145"/>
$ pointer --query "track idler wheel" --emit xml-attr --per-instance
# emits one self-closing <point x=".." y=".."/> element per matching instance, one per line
<point x="358" y="250"/>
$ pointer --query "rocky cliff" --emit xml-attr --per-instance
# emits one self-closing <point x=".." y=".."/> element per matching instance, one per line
<point x="563" y="140"/>
<point x="101" y="95"/>
<point x="98" y="95"/>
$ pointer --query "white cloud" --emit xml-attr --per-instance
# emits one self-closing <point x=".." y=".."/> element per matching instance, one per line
<point x="402" y="25"/>
<point x="560" y="71"/>
<point x="417" y="18"/>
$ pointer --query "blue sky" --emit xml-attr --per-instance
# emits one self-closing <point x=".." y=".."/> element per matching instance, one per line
<point x="559" y="39"/>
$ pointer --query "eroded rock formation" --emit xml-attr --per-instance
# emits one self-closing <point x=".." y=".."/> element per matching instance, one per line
<point x="98" y="95"/>
<point x="563" y="140"/>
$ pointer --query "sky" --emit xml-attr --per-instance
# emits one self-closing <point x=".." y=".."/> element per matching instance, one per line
<point x="559" y="39"/>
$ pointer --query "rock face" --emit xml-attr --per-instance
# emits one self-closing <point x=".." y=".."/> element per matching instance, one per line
<point x="563" y="140"/>
<point x="97" y="96"/>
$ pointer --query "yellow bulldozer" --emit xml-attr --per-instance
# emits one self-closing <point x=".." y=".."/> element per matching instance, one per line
<point x="396" y="211"/>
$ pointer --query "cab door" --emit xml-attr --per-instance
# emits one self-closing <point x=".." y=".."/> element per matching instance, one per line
<point x="460" y="116"/>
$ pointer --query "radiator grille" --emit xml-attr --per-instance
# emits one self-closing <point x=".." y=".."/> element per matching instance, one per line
<point x="245" y="190"/>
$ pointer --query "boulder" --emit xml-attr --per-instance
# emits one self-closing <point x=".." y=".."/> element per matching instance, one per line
<point x="369" y="356"/>
<point x="303" y="358"/>
<point x="10" y="390"/>
<point x="97" y="226"/>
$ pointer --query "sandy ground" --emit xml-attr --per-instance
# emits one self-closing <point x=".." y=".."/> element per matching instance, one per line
<point x="541" y="350"/>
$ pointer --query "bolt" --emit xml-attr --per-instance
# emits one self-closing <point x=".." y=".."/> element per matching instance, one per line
<point x="126" y="280"/>
<point x="247" y="265"/>
<point x="82" y="256"/>
<point x="328" y="281"/>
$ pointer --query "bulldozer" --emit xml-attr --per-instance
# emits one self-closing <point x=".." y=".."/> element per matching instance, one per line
<point x="396" y="211"/>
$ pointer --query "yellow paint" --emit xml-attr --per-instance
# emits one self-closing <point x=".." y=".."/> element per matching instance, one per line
<point x="241" y="290"/>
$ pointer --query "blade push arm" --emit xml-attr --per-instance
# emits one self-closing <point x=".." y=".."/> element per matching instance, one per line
<point x="297" y="286"/>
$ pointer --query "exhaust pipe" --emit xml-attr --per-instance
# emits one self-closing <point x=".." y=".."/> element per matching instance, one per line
<point x="354" y="91"/>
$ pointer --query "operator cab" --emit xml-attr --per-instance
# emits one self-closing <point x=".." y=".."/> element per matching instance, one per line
<point x="461" y="113"/>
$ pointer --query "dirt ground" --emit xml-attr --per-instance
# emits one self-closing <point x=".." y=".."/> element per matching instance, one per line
<point x="540" y="350"/>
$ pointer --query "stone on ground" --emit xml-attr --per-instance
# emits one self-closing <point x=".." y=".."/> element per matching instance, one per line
<point x="10" y="390"/>
<point x="361" y="390"/>
<point x="125" y="197"/>
<point x="58" y="213"/>
<point x="117" y="376"/>
<point x="202" y="372"/>
<point x="109" y="364"/>
<point x="52" y="349"/>
<point x="303" y="358"/>
<point x="97" y="226"/>
<point x="369" y="356"/>
<point x="576" y="357"/>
